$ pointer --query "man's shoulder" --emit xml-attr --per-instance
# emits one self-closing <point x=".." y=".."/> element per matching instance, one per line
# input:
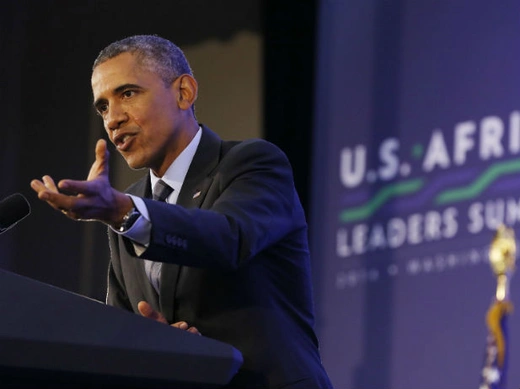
<point x="254" y="147"/>
<point x="236" y="156"/>
<point x="251" y="144"/>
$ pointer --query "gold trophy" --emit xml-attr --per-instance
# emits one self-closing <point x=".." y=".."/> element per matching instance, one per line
<point x="502" y="257"/>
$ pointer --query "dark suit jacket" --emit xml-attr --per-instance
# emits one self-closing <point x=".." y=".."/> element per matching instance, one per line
<point x="235" y="262"/>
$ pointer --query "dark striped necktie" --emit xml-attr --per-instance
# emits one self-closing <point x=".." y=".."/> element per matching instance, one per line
<point x="161" y="191"/>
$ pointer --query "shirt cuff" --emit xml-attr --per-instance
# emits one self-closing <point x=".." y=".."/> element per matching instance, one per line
<point x="140" y="231"/>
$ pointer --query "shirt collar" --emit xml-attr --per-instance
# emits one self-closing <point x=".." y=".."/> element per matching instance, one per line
<point x="176" y="172"/>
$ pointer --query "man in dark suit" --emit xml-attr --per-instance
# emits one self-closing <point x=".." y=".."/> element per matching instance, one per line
<point x="222" y="248"/>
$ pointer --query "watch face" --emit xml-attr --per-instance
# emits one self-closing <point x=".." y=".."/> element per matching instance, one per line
<point x="129" y="219"/>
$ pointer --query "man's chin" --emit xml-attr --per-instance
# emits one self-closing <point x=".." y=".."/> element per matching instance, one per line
<point x="134" y="164"/>
<point x="137" y="168"/>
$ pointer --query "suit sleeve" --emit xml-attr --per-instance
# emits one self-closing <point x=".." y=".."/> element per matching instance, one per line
<point x="250" y="205"/>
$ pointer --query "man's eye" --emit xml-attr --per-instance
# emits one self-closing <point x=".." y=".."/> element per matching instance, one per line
<point x="102" y="108"/>
<point x="128" y="93"/>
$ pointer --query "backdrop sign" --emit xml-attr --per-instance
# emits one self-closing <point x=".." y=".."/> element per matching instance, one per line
<point x="417" y="162"/>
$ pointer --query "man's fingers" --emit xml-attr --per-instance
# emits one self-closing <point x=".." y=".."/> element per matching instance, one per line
<point x="48" y="182"/>
<point x="51" y="192"/>
<point x="38" y="186"/>
<point x="146" y="310"/>
<point x="194" y="330"/>
<point x="45" y="185"/>
<point x="52" y="197"/>
<point x="87" y="188"/>
<point x="182" y="325"/>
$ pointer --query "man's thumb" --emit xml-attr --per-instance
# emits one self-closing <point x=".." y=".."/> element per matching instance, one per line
<point x="146" y="310"/>
<point x="102" y="153"/>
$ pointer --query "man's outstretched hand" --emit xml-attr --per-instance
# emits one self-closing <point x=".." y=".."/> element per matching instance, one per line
<point x="147" y="311"/>
<point x="93" y="199"/>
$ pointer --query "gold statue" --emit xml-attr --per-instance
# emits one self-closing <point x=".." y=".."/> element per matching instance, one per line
<point x="502" y="258"/>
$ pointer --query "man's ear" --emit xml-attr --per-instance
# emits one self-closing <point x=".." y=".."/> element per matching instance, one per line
<point x="188" y="89"/>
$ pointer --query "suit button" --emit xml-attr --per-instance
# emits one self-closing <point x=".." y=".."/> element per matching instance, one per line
<point x="176" y="241"/>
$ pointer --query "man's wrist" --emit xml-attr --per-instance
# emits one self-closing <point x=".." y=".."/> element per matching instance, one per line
<point x="128" y="220"/>
<point x="122" y="212"/>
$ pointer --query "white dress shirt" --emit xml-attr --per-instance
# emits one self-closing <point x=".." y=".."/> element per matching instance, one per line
<point x="174" y="176"/>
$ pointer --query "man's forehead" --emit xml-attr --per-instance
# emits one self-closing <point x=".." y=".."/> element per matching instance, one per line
<point x="121" y="69"/>
<point x="121" y="62"/>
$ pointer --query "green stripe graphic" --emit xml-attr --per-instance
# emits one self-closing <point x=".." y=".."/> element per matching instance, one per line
<point x="386" y="193"/>
<point x="480" y="184"/>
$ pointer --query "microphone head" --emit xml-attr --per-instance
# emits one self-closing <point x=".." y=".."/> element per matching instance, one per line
<point x="13" y="209"/>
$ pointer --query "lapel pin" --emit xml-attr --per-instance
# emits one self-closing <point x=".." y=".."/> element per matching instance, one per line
<point x="197" y="194"/>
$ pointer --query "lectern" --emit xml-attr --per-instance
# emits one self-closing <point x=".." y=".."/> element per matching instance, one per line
<point x="50" y="337"/>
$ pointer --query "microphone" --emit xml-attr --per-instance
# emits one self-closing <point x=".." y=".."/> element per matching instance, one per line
<point x="13" y="209"/>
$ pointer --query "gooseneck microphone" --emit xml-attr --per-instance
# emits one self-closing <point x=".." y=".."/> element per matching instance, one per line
<point x="13" y="209"/>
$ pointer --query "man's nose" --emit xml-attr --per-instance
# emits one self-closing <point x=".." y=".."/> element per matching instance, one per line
<point x="116" y="116"/>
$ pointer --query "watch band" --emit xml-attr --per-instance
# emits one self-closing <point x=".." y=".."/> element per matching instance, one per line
<point x="129" y="219"/>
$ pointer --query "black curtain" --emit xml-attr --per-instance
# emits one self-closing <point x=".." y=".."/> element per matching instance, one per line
<point x="289" y="62"/>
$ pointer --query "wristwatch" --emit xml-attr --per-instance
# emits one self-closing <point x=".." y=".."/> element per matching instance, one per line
<point x="129" y="219"/>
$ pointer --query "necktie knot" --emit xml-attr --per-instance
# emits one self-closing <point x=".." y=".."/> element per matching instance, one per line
<point x="161" y="191"/>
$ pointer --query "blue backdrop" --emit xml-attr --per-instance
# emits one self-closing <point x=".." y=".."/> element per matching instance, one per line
<point x="417" y="161"/>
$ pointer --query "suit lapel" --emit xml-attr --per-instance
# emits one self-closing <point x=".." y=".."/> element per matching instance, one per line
<point x="193" y="191"/>
<point x="199" y="176"/>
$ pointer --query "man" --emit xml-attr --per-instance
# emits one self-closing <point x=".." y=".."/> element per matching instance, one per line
<point x="226" y="252"/>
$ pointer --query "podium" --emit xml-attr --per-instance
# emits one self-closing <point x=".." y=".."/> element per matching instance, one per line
<point x="50" y="337"/>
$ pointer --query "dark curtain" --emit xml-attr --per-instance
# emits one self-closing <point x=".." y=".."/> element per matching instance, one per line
<point x="289" y="60"/>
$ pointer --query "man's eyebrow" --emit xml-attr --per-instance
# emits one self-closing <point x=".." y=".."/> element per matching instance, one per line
<point x="123" y="87"/>
<point x="119" y="89"/>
